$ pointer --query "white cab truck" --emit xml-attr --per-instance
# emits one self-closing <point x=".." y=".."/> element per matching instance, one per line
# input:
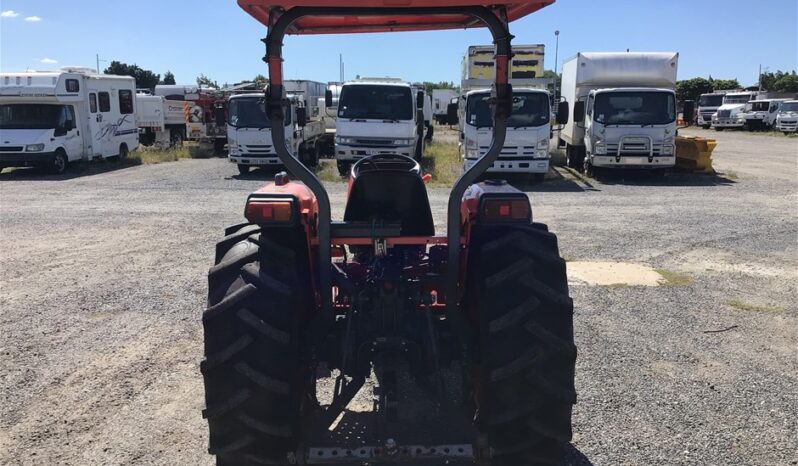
<point x="761" y="114"/>
<point x="623" y="110"/>
<point x="730" y="115"/>
<point x="526" y="147"/>
<point x="54" y="118"/>
<point x="787" y="118"/>
<point x="249" y="135"/>
<point x="378" y="116"/>
<point x="440" y="104"/>
<point x="708" y="104"/>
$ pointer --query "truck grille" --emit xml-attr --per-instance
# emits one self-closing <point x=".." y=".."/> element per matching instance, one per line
<point x="257" y="150"/>
<point x="374" y="142"/>
<point x="724" y="113"/>
<point x="510" y="152"/>
<point x="11" y="148"/>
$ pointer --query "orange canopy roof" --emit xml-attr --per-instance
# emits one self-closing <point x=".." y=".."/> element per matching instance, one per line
<point x="266" y="11"/>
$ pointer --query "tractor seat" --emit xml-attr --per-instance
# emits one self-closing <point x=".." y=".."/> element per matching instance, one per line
<point x="388" y="188"/>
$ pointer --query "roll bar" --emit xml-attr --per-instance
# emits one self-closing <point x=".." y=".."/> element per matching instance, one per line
<point x="502" y="99"/>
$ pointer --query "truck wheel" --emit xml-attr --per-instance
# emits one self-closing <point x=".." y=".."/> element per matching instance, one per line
<point x="123" y="153"/>
<point x="251" y="371"/>
<point x="60" y="162"/>
<point x="526" y="346"/>
<point x="706" y="126"/>
<point x="588" y="169"/>
<point x="539" y="177"/>
<point x="717" y="129"/>
<point x="243" y="169"/>
<point x="218" y="146"/>
<point x="175" y="138"/>
<point x="343" y="168"/>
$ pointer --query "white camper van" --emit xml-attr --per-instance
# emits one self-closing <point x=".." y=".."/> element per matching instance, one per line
<point x="53" y="118"/>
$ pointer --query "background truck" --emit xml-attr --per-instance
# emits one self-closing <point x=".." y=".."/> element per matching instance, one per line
<point x="526" y="148"/>
<point x="378" y="116"/>
<point x="708" y="104"/>
<point x="761" y="114"/>
<point x="53" y="118"/>
<point x="787" y="118"/>
<point x="194" y="113"/>
<point x="730" y="113"/>
<point x="440" y="104"/>
<point x="250" y="142"/>
<point x="623" y="110"/>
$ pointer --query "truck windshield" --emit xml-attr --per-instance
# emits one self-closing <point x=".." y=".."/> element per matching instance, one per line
<point x="710" y="100"/>
<point x="737" y="99"/>
<point x="635" y="108"/>
<point x="376" y="102"/>
<point x="30" y="116"/>
<point x="529" y="109"/>
<point x="250" y="113"/>
<point x="789" y="107"/>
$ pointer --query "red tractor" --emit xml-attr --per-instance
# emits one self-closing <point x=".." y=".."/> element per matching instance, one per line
<point x="469" y="335"/>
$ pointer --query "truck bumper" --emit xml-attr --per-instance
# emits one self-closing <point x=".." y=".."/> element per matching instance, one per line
<point x="787" y="126"/>
<point x="260" y="159"/>
<point x="515" y="165"/>
<point x="352" y="153"/>
<point x="727" y="123"/>
<point x="26" y="159"/>
<point x="633" y="161"/>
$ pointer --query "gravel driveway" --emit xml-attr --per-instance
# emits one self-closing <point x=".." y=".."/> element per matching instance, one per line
<point x="102" y="281"/>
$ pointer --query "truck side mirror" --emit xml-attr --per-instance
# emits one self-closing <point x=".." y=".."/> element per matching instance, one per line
<point x="562" y="113"/>
<point x="301" y="116"/>
<point x="328" y="98"/>
<point x="579" y="111"/>
<point x="420" y="99"/>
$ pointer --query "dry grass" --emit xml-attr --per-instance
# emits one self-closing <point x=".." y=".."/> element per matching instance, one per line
<point x="671" y="278"/>
<point x="743" y="306"/>
<point x="327" y="170"/>
<point x="153" y="155"/>
<point x="730" y="174"/>
<point x="442" y="161"/>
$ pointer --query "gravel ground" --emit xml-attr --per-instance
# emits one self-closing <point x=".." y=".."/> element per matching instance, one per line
<point x="103" y="280"/>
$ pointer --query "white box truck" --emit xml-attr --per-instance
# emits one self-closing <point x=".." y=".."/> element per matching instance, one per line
<point x="378" y="116"/>
<point x="526" y="147"/>
<point x="249" y="137"/>
<point x="53" y="118"/>
<point x="623" y="110"/>
<point x="761" y="114"/>
<point x="440" y="104"/>
<point x="730" y="115"/>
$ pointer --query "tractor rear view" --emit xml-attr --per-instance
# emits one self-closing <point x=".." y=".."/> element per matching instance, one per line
<point x="469" y="336"/>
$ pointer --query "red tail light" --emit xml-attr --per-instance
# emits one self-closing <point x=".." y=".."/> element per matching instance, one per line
<point x="269" y="211"/>
<point x="505" y="209"/>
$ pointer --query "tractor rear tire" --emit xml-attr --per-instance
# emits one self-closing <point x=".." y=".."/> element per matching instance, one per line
<point x="526" y="354"/>
<point x="252" y="371"/>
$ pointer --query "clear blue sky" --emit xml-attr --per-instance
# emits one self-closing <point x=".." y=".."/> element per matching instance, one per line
<point x="722" y="38"/>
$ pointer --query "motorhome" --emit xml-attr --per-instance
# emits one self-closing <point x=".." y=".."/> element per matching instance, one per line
<point x="526" y="147"/>
<point x="730" y="114"/>
<point x="378" y="116"/>
<point x="787" y="118"/>
<point x="623" y="110"/>
<point x="249" y="137"/>
<point x="761" y="114"/>
<point x="708" y="104"/>
<point x="53" y="118"/>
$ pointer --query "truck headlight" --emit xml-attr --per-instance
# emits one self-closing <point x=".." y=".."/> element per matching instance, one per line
<point x="403" y="142"/>
<point x="344" y="140"/>
<point x="34" y="148"/>
<point x="599" y="148"/>
<point x="471" y="149"/>
<point x="543" y="144"/>
<point x="667" y="149"/>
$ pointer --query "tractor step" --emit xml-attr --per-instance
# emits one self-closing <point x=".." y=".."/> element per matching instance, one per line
<point x="391" y="452"/>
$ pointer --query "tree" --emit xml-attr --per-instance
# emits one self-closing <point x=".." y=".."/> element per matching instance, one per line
<point x="203" y="80"/>
<point x="260" y="80"/>
<point x="145" y="79"/>
<point x="440" y="85"/>
<point x="691" y="89"/>
<point x="787" y="83"/>
<point x="168" y="78"/>
<point x="725" y="84"/>
<point x="557" y="86"/>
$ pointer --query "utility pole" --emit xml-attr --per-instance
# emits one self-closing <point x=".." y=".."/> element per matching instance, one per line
<point x="97" y="56"/>
<point x="556" y="61"/>
<point x="341" y="67"/>
<point x="760" y="77"/>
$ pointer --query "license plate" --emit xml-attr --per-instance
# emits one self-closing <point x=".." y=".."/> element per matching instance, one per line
<point x="634" y="160"/>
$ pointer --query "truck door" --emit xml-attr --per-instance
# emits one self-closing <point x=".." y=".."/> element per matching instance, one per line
<point x="73" y="142"/>
<point x="99" y="107"/>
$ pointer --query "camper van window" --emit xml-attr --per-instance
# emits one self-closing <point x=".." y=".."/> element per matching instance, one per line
<point x="93" y="102"/>
<point x="31" y="116"/>
<point x="125" y="101"/>
<point x="105" y="102"/>
<point x="72" y="85"/>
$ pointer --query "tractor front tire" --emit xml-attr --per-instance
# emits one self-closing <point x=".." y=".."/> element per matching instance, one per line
<point x="252" y="371"/>
<point x="526" y="356"/>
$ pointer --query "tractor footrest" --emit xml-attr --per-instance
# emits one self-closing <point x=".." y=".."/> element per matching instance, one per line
<point x="365" y="229"/>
